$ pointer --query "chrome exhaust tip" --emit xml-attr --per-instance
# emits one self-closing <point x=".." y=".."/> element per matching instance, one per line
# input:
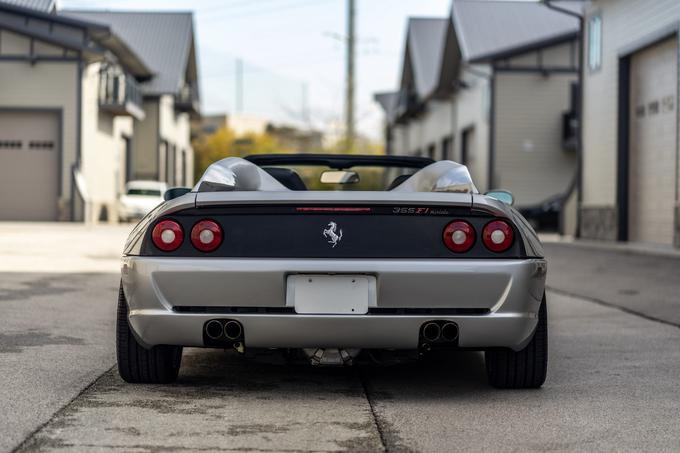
<point x="450" y="331"/>
<point x="213" y="329"/>
<point x="431" y="331"/>
<point x="233" y="330"/>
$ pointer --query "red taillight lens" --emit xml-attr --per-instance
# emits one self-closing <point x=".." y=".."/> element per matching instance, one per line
<point x="206" y="235"/>
<point x="497" y="236"/>
<point x="167" y="235"/>
<point x="459" y="236"/>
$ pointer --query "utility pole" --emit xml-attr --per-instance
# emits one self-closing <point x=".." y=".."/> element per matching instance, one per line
<point x="239" y="85"/>
<point x="349" y="93"/>
<point x="305" y="105"/>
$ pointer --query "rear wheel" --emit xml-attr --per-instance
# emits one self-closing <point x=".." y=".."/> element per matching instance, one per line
<point x="526" y="368"/>
<point x="158" y="365"/>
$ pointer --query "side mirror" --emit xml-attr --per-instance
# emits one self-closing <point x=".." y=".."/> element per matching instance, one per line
<point x="175" y="192"/>
<point x="339" y="177"/>
<point x="501" y="195"/>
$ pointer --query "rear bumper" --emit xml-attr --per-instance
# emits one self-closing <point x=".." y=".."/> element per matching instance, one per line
<point x="509" y="292"/>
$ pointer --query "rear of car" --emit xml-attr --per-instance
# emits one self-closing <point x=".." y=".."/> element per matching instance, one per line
<point x="335" y="273"/>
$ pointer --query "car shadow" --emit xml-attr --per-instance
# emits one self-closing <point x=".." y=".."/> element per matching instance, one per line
<point x="432" y="376"/>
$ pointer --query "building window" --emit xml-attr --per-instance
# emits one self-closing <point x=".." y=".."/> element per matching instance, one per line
<point x="446" y="147"/>
<point x="431" y="151"/>
<point x="595" y="43"/>
<point x="467" y="152"/>
<point x="182" y="168"/>
<point x="40" y="144"/>
<point x="11" y="144"/>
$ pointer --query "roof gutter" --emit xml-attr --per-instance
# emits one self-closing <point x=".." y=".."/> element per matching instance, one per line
<point x="124" y="53"/>
<point x="577" y="182"/>
<point x="68" y="44"/>
<point x="52" y="17"/>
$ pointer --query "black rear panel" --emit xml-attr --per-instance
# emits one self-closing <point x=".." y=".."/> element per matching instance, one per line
<point x="298" y="232"/>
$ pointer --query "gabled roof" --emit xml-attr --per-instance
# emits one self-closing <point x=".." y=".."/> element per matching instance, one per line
<point x="46" y="6"/>
<point x="389" y="102"/>
<point x="423" y="54"/>
<point x="489" y="28"/>
<point x="165" y="41"/>
<point x="92" y="40"/>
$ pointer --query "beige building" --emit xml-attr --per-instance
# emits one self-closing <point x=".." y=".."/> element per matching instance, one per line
<point x="630" y="183"/>
<point x="494" y="87"/>
<point x="84" y="107"/>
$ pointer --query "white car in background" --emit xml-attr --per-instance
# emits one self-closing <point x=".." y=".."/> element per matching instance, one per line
<point x="139" y="199"/>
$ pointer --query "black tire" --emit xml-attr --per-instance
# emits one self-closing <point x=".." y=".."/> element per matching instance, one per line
<point x="525" y="369"/>
<point x="137" y="365"/>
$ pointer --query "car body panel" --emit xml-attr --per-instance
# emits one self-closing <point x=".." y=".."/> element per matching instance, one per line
<point x="155" y="287"/>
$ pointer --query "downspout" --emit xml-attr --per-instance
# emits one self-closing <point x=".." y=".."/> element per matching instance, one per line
<point x="79" y="138"/>
<point x="577" y="183"/>
<point x="491" y="183"/>
<point x="453" y="145"/>
<point x="489" y="114"/>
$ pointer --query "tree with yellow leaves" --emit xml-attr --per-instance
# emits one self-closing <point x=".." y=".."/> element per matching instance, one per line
<point x="224" y="143"/>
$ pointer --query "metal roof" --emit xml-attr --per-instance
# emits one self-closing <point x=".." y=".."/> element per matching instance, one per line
<point x="38" y="24"/>
<point x="46" y="6"/>
<point x="425" y="43"/>
<point x="485" y="28"/>
<point x="164" y="40"/>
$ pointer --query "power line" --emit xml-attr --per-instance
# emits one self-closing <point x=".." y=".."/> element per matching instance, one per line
<point x="222" y="7"/>
<point x="267" y="11"/>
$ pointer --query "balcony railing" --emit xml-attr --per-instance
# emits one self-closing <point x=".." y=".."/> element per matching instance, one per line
<point x="120" y="94"/>
<point x="187" y="99"/>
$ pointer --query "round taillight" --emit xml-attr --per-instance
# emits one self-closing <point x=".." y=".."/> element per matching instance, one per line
<point x="206" y="235"/>
<point x="459" y="236"/>
<point x="167" y="235"/>
<point x="497" y="236"/>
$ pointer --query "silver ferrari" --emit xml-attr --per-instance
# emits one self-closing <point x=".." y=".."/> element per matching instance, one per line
<point x="331" y="255"/>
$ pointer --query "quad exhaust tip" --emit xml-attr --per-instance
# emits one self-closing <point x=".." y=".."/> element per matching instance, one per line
<point x="431" y="331"/>
<point x="214" y="330"/>
<point x="233" y="330"/>
<point x="450" y="331"/>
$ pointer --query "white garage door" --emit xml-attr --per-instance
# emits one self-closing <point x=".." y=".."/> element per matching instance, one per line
<point x="653" y="143"/>
<point x="29" y="165"/>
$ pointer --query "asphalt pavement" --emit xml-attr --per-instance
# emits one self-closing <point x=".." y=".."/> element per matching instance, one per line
<point x="612" y="382"/>
<point x="645" y="284"/>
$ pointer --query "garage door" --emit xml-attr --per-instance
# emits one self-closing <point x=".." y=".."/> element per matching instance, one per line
<point x="653" y="143"/>
<point x="29" y="165"/>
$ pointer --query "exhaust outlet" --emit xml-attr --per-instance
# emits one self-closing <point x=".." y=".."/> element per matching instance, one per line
<point x="450" y="331"/>
<point x="431" y="331"/>
<point x="233" y="330"/>
<point x="214" y="330"/>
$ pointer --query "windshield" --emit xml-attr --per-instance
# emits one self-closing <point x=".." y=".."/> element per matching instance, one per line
<point x="145" y="192"/>
<point x="335" y="173"/>
<point x="360" y="178"/>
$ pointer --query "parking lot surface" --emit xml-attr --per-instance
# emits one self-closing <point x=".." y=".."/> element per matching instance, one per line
<point x="612" y="382"/>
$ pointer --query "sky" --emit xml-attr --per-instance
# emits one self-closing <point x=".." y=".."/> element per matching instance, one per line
<point x="293" y="54"/>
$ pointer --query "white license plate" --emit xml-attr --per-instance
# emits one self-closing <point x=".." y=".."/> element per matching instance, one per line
<point x="330" y="294"/>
